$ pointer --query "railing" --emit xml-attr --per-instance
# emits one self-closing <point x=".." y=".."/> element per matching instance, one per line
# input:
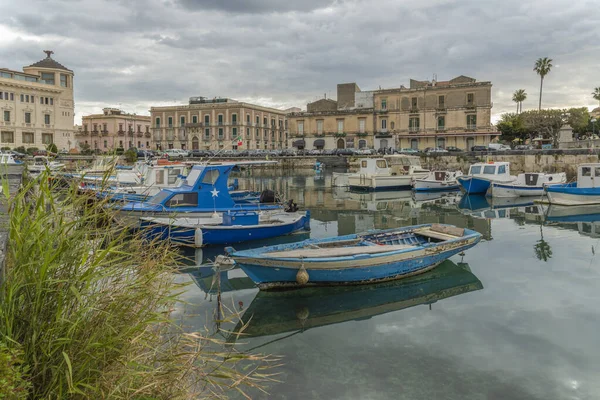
<point x="139" y="134"/>
<point x="95" y="132"/>
<point x="413" y="129"/>
<point x="121" y="132"/>
<point x="414" y="110"/>
<point x="147" y="134"/>
<point x="194" y="125"/>
<point x="104" y="132"/>
<point x="471" y="127"/>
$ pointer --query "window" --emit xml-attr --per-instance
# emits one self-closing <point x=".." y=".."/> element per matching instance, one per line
<point x="207" y="133"/>
<point x="95" y="127"/>
<point x="32" y="99"/>
<point x="147" y="129"/>
<point x="12" y="96"/>
<point x="340" y="126"/>
<point x="28" y="137"/>
<point x="362" y="144"/>
<point x="502" y="169"/>
<point x="441" y="143"/>
<point x="234" y="119"/>
<point x="48" y="78"/>
<point x="63" y="80"/>
<point x="585" y="171"/>
<point x="248" y="133"/>
<point x="51" y="101"/>
<point x="392" y="125"/>
<point x="257" y="120"/>
<point x="441" y="123"/>
<point x="414" y="144"/>
<point x="272" y="122"/>
<point x="361" y="125"/>
<point x="120" y="144"/>
<point x="384" y="104"/>
<point x="47" y="119"/>
<point x="7" y="137"/>
<point x="470" y="98"/>
<point x="47" y="138"/>
<point x="211" y="176"/>
<point x="105" y="144"/>
<point x="413" y="103"/>
<point x="22" y="98"/>
<point x="182" y="120"/>
<point x="597" y="171"/>
<point x="6" y="116"/>
<point x="220" y="133"/>
<point x="320" y="126"/>
<point x="207" y="119"/>
<point x="194" y="119"/>
<point x="220" y="119"/>
<point x="105" y="128"/>
<point x="41" y="100"/>
<point x="234" y="133"/>
<point x="441" y="101"/>
<point x="183" y="200"/>
<point x="27" y="118"/>
<point x="413" y="124"/>
<point x="170" y="122"/>
<point x="471" y="121"/>
<point x="475" y="170"/>
<point x="363" y="164"/>
<point x="300" y="127"/>
<point x="139" y="129"/>
<point x="265" y="121"/>
<point x="384" y="125"/>
<point x="248" y="119"/>
<point x="489" y="169"/>
<point x="381" y="164"/>
<point x="26" y="98"/>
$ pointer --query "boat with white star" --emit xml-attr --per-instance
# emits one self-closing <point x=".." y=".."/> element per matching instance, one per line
<point x="204" y="192"/>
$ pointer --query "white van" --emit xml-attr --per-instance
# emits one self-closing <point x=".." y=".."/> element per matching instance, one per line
<point x="498" y="147"/>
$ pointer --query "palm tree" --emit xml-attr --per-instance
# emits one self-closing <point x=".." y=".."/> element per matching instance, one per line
<point x="542" y="68"/>
<point x="596" y="94"/>
<point x="519" y="96"/>
<point x="542" y="249"/>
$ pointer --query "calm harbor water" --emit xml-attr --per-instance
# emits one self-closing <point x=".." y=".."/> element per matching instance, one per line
<point x="516" y="318"/>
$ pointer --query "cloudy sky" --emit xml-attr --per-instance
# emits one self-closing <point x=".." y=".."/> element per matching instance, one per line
<point x="138" y="53"/>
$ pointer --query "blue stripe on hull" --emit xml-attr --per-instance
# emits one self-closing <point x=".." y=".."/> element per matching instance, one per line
<point x="473" y="185"/>
<point x="378" y="189"/>
<point x="440" y="189"/>
<point x="267" y="277"/>
<point x="186" y="236"/>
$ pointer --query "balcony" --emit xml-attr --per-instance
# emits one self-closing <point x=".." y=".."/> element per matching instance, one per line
<point x="206" y="138"/>
<point x="470" y="105"/>
<point x="340" y="134"/>
<point x="170" y="134"/>
<point x="182" y="134"/>
<point x="130" y="133"/>
<point x="414" y="110"/>
<point x="221" y="137"/>
<point x="471" y="127"/>
<point x="139" y="134"/>
<point x="95" y="132"/>
<point x="385" y="134"/>
<point x="121" y="132"/>
<point x="234" y="123"/>
<point x="104" y="132"/>
<point x="362" y="134"/>
<point x="440" y="129"/>
<point x="147" y="134"/>
<point x="194" y="125"/>
<point x="382" y="110"/>
<point x="413" y="129"/>
<point x="82" y="133"/>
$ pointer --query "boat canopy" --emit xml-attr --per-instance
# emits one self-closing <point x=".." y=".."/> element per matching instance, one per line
<point x="491" y="168"/>
<point x="588" y="176"/>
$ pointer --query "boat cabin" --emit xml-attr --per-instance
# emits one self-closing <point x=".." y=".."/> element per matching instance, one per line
<point x="491" y="168"/>
<point x="6" y="158"/>
<point x="588" y="176"/>
<point x="160" y="175"/>
<point x="374" y="166"/>
<point x="403" y="164"/>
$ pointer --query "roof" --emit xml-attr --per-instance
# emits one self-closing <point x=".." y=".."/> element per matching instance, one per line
<point x="49" y="62"/>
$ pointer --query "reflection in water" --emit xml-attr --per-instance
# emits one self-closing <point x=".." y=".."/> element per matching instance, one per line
<point x="542" y="248"/>
<point x="277" y="312"/>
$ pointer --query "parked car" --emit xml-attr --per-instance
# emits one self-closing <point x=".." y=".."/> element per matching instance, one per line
<point x="408" y="151"/>
<point x="176" y="153"/>
<point x="145" y="154"/>
<point x="524" y="147"/>
<point x="479" y="148"/>
<point x="39" y="153"/>
<point x="453" y="149"/>
<point x="498" y="147"/>
<point x="436" y="150"/>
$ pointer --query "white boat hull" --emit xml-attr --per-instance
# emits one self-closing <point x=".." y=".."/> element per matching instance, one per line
<point x="378" y="182"/>
<point x="423" y="184"/>
<point x="568" y="199"/>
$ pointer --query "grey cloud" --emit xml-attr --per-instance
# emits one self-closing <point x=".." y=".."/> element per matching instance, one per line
<point x="254" y="6"/>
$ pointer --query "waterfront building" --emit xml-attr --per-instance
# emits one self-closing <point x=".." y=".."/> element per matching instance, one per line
<point x="218" y="124"/>
<point x="37" y="105"/>
<point x="114" y="129"/>
<point x="426" y="114"/>
<point x="331" y="124"/>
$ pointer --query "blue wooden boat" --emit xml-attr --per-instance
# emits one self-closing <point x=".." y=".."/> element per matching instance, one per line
<point x="277" y="312"/>
<point x="231" y="227"/>
<point x="355" y="259"/>
<point x="203" y="193"/>
<point x="481" y="175"/>
<point x="586" y="191"/>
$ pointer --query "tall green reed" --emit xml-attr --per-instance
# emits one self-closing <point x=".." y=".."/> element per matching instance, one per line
<point x="87" y="305"/>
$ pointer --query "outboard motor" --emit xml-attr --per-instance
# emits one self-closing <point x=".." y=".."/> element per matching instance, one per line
<point x="267" y="196"/>
<point x="290" y="206"/>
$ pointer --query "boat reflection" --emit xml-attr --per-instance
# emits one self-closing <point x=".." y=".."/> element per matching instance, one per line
<point x="480" y="206"/>
<point x="276" y="312"/>
<point x="585" y="218"/>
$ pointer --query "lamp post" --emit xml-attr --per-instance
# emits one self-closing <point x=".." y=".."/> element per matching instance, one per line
<point x="593" y="121"/>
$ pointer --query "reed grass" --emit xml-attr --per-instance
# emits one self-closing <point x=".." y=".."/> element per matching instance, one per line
<point x="86" y="306"/>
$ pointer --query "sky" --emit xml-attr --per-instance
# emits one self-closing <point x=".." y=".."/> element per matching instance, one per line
<point x="135" y="54"/>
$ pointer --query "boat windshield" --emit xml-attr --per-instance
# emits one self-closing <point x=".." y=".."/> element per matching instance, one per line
<point x="502" y="169"/>
<point x="476" y="169"/>
<point x="193" y="176"/>
<point x="489" y="169"/>
<point x="159" y="198"/>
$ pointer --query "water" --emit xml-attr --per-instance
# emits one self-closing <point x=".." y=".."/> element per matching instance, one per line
<point x="517" y="318"/>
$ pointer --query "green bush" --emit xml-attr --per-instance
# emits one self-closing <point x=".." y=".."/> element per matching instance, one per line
<point x="119" y="151"/>
<point x="52" y="148"/>
<point x="131" y="156"/>
<point x="31" y="150"/>
<point x="13" y="384"/>
<point x="88" y="304"/>
<point x="21" y="149"/>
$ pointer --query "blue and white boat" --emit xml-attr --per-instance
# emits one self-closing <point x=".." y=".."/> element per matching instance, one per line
<point x="527" y="184"/>
<point x="203" y="193"/>
<point x="585" y="191"/>
<point x="228" y="228"/>
<point x="437" y="181"/>
<point x="481" y="175"/>
<point x="354" y="259"/>
<point x="9" y="165"/>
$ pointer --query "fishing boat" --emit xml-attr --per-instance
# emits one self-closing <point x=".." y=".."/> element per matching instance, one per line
<point x="228" y="228"/>
<point x="583" y="192"/>
<point x="43" y="163"/>
<point x="376" y="174"/>
<point x="527" y="184"/>
<point x="438" y="181"/>
<point x="278" y="312"/>
<point x="354" y="259"/>
<point x="204" y="192"/>
<point x="481" y="175"/>
<point x="9" y="165"/>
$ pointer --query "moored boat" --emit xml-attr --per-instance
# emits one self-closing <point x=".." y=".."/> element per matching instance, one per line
<point x="481" y="175"/>
<point x="355" y="259"/>
<point x="438" y="181"/>
<point x="377" y="174"/>
<point x="43" y="163"/>
<point x="585" y="191"/>
<point x="527" y="184"/>
<point x="228" y="228"/>
<point x="9" y="165"/>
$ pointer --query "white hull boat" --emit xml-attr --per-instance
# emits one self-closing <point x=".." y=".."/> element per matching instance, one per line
<point x="586" y="191"/>
<point x="376" y="174"/>
<point x="438" y="181"/>
<point x="528" y="184"/>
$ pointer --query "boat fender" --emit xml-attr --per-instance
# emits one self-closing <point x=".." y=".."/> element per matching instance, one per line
<point x="302" y="314"/>
<point x="302" y="276"/>
<point x="198" y="237"/>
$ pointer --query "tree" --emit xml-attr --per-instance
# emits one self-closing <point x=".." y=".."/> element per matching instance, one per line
<point x="542" y="68"/>
<point x="596" y="94"/>
<point x="511" y="126"/>
<point x="544" y="123"/>
<point x="578" y="119"/>
<point x="519" y="96"/>
<point x="542" y="249"/>
<point x="51" y="148"/>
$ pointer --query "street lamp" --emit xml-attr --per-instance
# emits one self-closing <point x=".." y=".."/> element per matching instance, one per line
<point x="593" y="121"/>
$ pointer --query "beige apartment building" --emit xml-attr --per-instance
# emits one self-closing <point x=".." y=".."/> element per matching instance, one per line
<point x="37" y="105"/>
<point x="219" y="123"/>
<point x="435" y="114"/>
<point x="114" y="129"/>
